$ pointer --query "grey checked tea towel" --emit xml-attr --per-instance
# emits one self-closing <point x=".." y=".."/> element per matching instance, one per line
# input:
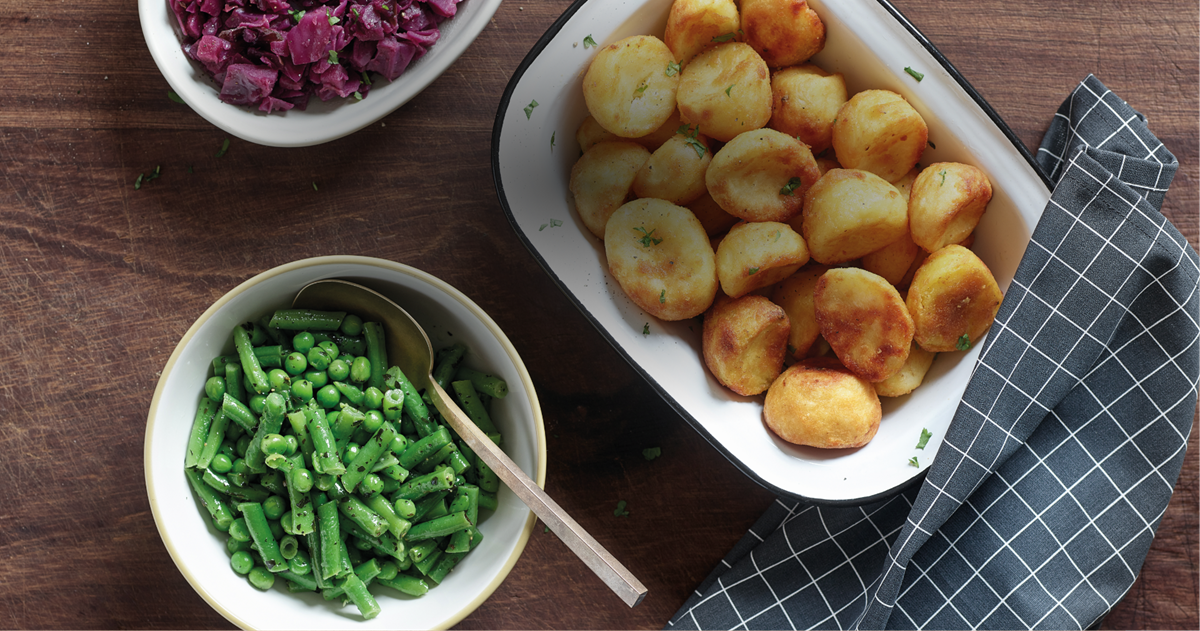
<point x="1058" y="465"/>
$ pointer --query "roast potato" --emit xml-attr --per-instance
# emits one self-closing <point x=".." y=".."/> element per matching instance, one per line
<point x="909" y="376"/>
<point x="849" y="213"/>
<point x="865" y="321"/>
<point x="805" y="100"/>
<point x="819" y="403"/>
<point x="762" y="175"/>
<point x="878" y="131"/>
<point x="894" y="260"/>
<point x="754" y="255"/>
<point x="744" y="342"/>
<point x="714" y="218"/>
<point x="725" y="90"/>
<point x="601" y="180"/>
<point x="946" y="202"/>
<point x="661" y="257"/>
<point x="694" y="25"/>
<point x="627" y="87"/>
<point x="590" y="133"/>
<point x="784" y="32"/>
<point x="675" y="171"/>
<point x="795" y="295"/>
<point x="953" y="300"/>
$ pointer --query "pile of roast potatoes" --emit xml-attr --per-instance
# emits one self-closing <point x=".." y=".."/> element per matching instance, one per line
<point x="730" y="178"/>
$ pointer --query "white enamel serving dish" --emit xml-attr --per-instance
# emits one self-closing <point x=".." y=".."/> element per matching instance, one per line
<point x="871" y="44"/>
<point x="198" y="549"/>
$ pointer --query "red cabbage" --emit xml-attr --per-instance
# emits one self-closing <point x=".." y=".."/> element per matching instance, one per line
<point x="275" y="54"/>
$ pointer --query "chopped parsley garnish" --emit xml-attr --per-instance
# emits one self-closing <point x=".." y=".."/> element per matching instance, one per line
<point x="546" y="529"/>
<point x="925" y="436"/>
<point x="366" y="78"/>
<point x="913" y="462"/>
<point x="943" y="174"/>
<point x="724" y="38"/>
<point x="648" y="238"/>
<point x="673" y="69"/>
<point x="777" y="234"/>
<point x="333" y="59"/>
<point x="142" y="178"/>
<point x="646" y="329"/>
<point x="588" y="42"/>
<point x="554" y="223"/>
<point x="296" y="15"/>
<point x="354" y="10"/>
<point x="357" y="95"/>
<point x="174" y="97"/>
<point x="137" y="184"/>
<point x="691" y="136"/>
<point x="964" y="342"/>
<point x="662" y="297"/>
<point x="752" y="271"/>
<point x="650" y="453"/>
<point x="529" y="109"/>
<point x="315" y="186"/>
<point x="914" y="74"/>
<point x="642" y="88"/>
<point x="728" y="89"/>
<point x="333" y="20"/>
<point x="791" y="186"/>
<point x="223" y="149"/>
<point x="621" y="512"/>
<point x="552" y="140"/>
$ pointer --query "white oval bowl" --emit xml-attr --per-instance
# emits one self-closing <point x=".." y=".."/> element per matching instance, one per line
<point x="322" y="121"/>
<point x="198" y="549"/>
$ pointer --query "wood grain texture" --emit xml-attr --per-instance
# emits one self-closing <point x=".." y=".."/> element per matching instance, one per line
<point x="99" y="281"/>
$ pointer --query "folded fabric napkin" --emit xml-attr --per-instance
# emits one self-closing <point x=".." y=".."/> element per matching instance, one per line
<point x="1060" y="460"/>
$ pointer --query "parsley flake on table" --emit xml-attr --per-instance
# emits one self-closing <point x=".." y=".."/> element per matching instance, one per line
<point x="648" y="238"/>
<point x="914" y="74"/>
<point x="223" y="149"/>
<point x="315" y="186"/>
<point x="924" y="440"/>
<point x="650" y="453"/>
<point x="964" y="342"/>
<point x="529" y="109"/>
<point x="588" y="42"/>
<point x="174" y="97"/>
<point x="621" y="512"/>
<point x="791" y="186"/>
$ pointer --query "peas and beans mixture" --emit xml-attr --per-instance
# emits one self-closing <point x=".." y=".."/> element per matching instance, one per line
<point x="328" y="469"/>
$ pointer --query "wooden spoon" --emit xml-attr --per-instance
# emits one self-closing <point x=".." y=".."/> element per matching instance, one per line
<point x="409" y="348"/>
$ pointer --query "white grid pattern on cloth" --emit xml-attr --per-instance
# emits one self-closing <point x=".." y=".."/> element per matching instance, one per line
<point x="1040" y="517"/>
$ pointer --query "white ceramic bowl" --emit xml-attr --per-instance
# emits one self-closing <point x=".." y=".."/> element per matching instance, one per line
<point x="871" y="44"/>
<point x="199" y="550"/>
<point x="322" y="121"/>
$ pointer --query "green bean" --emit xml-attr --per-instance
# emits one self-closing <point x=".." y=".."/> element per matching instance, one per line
<point x="200" y="430"/>
<point x="440" y="527"/>
<point x="465" y="540"/>
<point x="405" y="508"/>
<point x="307" y="320"/>
<point x="426" y="564"/>
<point x="422" y="550"/>
<point x="367" y="456"/>
<point x="260" y="531"/>
<point x="217" y="481"/>
<point x="213" y="502"/>
<point x="366" y="571"/>
<point x="444" y="564"/>
<point x="376" y="352"/>
<point x="233" y="381"/>
<point x="431" y="506"/>
<point x="469" y="400"/>
<point x="358" y="512"/>
<point x="418" y="487"/>
<point x="332" y="554"/>
<point x="350" y="392"/>
<point x="313" y="541"/>
<point x="467" y="499"/>
<point x="362" y="598"/>
<point x="270" y="423"/>
<point x="288" y="547"/>
<point x="446" y="362"/>
<point x="348" y="420"/>
<point x="487" y="500"/>
<point x="397" y="525"/>
<point x="325" y="457"/>
<point x="425" y="447"/>
<point x="384" y="544"/>
<point x="353" y="344"/>
<point x="403" y="583"/>
<point x="301" y="582"/>
<point x="250" y="363"/>
<point x="269" y="356"/>
<point x="393" y="404"/>
<point x="239" y="413"/>
<point x="484" y="383"/>
<point x="487" y="479"/>
<point x="414" y="405"/>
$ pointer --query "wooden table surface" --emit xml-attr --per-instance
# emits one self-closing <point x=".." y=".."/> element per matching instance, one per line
<point x="99" y="281"/>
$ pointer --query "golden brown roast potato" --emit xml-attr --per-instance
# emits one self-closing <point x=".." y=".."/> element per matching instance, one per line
<point x="725" y="90"/>
<point x="826" y="162"/>
<point x="675" y="171"/>
<point x="946" y="202"/>
<point x="694" y="25"/>
<point x="627" y="87"/>
<point x="714" y="218"/>
<point x="784" y="32"/>
<point x="744" y="342"/>
<point x="894" y="260"/>
<point x="819" y="403"/>
<point x="865" y="321"/>
<point x="754" y="255"/>
<point x="909" y="376"/>
<point x="795" y="295"/>
<point x="904" y="184"/>
<point x="762" y="175"/>
<point x="591" y="133"/>
<point x="953" y="300"/>
<point x="878" y="131"/>
<point x="805" y="100"/>
<point x="849" y="213"/>
<point x="661" y="257"/>
<point x="602" y="178"/>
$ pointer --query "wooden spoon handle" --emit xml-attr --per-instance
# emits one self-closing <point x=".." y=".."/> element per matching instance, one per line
<point x="618" y="579"/>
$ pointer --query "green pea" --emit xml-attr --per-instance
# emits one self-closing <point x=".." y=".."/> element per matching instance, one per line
<point x="330" y="347"/>
<point x="276" y="528"/>
<point x="295" y="363"/>
<point x="319" y="378"/>
<point x="304" y="341"/>
<point x="287" y="521"/>
<point x="406" y="508"/>
<point x="215" y="388"/>
<point x="260" y="578"/>
<point x="221" y="463"/>
<point x="324" y="482"/>
<point x="243" y="444"/>
<point x="233" y="545"/>
<point x="258" y="335"/>
<point x="302" y="389"/>
<point x="328" y="397"/>
<point x="242" y="562"/>
<point x="399" y="444"/>
<point x="360" y="370"/>
<point x="361" y="544"/>
<point x="238" y="529"/>
<point x="274" y="444"/>
<point x="301" y="479"/>
<point x="352" y="325"/>
<point x="258" y="403"/>
<point x="372" y="420"/>
<point x="300" y="564"/>
<point x="373" y="398"/>
<point x="350" y="452"/>
<point x="370" y="485"/>
<point x="279" y="379"/>
<point x="319" y="358"/>
<point x="338" y="370"/>
<point x="293" y="444"/>
<point x="239" y="465"/>
<point x="274" y="507"/>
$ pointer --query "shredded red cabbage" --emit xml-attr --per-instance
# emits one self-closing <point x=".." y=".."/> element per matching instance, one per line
<point x="275" y="54"/>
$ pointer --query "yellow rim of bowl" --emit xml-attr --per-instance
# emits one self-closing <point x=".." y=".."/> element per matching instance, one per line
<point x="509" y="349"/>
